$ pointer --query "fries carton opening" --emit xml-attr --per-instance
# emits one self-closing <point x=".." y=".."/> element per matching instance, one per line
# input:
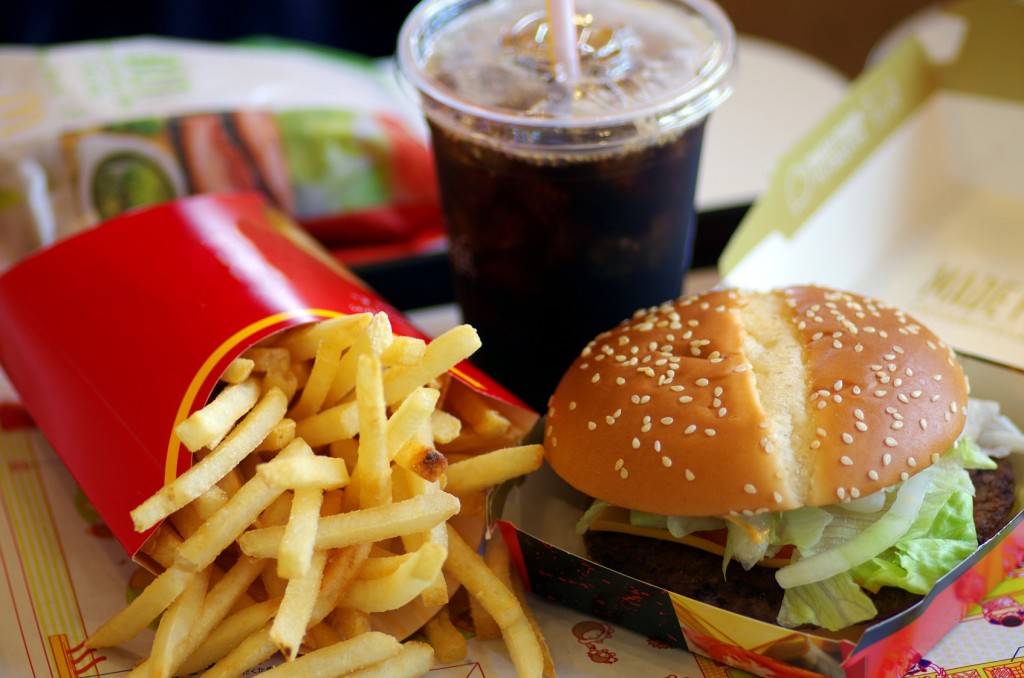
<point x="256" y="425"/>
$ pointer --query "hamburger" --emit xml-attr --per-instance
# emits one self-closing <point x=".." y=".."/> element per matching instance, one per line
<point x="795" y="455"/>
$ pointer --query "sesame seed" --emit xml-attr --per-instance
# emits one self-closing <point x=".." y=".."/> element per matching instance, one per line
<point x="890" y="442"/>
<point x="718" y="391"/>
<point x="667" y="421"/>
<point x="873" y="474"/>
<point x="904" y="476"/>
<point x="620" y="380"/>
<point x="837" y="344"/>
<point x="646" y="428"/>
<point x="591" y="425"/>
<point x="880" y="393"/>
<point x="886" y="459"/>
<point x="619" y="463"/>
<point x="820" y="432"/>
<point x="847" y="438"/>
<point x="609" y="420"/>
<point x="689" y="474"/>
<point x="596" y="378"/>
<point x="911" y="462"/>
<point x="677" y="388"/>
<point x="846" y="461"/>
<point x="815" y="444"/>
<point x="709" y="432"/>
<point x="721" y="412"/>
<point x="860" y="426"/>
<point x="854" y="492"/>
<point x="896" y="425"/>
<point x="636" y="443"/>
<point x="645" y="399"/>
<point x="924" y="424"/>
<point x="841" y="492"/>
<point x="838" y="386"/>
<point x="777" y="496"/>
<point x="657" y="446"/>
<point x="635" y="399"/>
<point x="623" y="473"/>
<point x="666" y="462"/>
<point x="749" y="489"/>
<point x="690" y="429"/>
<point x="701" y="382"/>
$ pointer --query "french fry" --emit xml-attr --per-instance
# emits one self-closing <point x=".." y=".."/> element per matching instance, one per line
<point x="468" y="406"/>
<point x="269" y="359"/>
<point x="175" y="626"/>
<point x="310" y="472"/>
<point x="410" y="417"/>
<point x="340" y="422"/>
<point x="469" y="568"/>
<point x="445" y="427"/>
<point x="484" y="625"/>
<point x="296" y="552"/>
<point x="279" y="436"/>
<point x="415" y="660"/>
<point x="224" y="637"/>
<point x="361" y="526"/>
<point x="349" y="622"/>
<point x="249" y="433"/>
<point x="325" y="366"/>
<point x="237" y="371"/>
<point x="403" y="351"/>
<point x="374" y="464"/>
<point x="192" y="515"/>
<point x="448" y="642"/>
<point x="341" y="658"/>
<point x="492" y="468"/>
<point x="497" y="558"/>
<point x="303" y="341"/>
<point x="229" y="522"/>
<point x="296" y="608"/>
<point x="392" y="591"/>
<point x="153" y="600"/>
<point x="212" y="422"/>
<point x="374" y="341"/>
<point x="322" y="635"/>
<point x="442" y="354"/>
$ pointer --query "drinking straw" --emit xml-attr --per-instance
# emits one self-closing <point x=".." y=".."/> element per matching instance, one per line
<point x="565" y="61"/>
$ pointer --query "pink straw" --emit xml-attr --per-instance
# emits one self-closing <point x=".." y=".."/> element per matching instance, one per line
<point x="565" y="56"/>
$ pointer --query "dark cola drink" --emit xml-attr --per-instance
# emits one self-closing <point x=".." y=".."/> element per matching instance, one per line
<point x="568" y="202"/>
<point x="549" y="252"/>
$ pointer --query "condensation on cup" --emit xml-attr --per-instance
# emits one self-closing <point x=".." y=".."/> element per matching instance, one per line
<point x="569" y="204"/>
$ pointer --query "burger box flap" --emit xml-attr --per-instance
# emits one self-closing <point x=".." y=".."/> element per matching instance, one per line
<point x="115" y="334"/>
<point x="910" y="191"/>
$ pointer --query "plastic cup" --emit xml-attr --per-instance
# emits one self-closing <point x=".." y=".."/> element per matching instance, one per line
<point x="568" y="206"/>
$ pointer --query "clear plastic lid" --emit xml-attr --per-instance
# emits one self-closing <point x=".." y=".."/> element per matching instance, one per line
<point x="647" y="68"/>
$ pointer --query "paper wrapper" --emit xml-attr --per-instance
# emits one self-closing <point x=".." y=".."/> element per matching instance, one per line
<point x="114" y="335"/>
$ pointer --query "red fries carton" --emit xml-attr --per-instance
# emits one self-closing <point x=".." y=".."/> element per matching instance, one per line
<point x="114" y="335"/>
<point x="910" y="191"/>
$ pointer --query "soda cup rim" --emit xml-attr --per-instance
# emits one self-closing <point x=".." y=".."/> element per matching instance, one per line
<point x="681" y="107"/>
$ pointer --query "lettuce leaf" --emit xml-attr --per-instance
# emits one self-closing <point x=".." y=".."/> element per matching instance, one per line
<point x="834" y="603"/>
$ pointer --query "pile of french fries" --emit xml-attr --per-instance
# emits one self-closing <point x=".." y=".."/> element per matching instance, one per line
<point x="330" y="471"/>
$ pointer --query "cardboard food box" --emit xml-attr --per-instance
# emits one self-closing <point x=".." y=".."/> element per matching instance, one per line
<point x="114" y="335"/>
<point x="911" y="191"/>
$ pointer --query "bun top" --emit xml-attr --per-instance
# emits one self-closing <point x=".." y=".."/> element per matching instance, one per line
<point x="734" y="402"/>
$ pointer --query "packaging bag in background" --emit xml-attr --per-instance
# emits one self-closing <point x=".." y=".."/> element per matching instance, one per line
<point x="93" y="129"/>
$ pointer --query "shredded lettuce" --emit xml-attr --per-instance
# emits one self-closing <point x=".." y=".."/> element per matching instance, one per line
<point x="833" y="603"/>
<point x="590" y="515"/>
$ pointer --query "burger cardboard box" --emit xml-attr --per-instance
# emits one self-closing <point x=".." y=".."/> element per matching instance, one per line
<point x="115" y="334"/>
<point x="911" y="190"/>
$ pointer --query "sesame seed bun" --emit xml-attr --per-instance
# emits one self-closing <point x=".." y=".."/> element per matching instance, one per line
<point x="737" y="402"/>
